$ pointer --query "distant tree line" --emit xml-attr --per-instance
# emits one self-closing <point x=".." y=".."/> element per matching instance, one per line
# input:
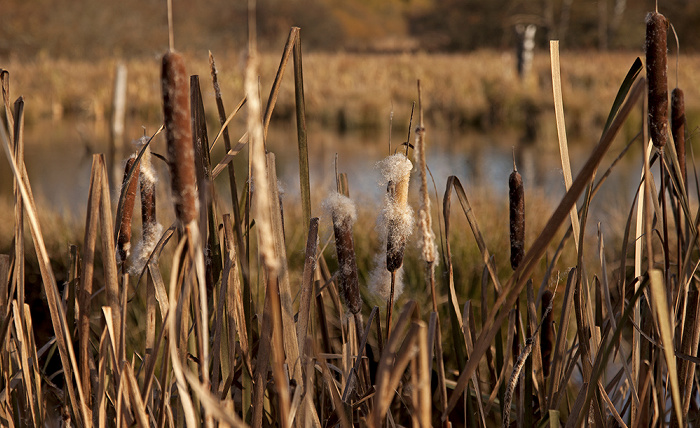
<point x="84" y="28"/>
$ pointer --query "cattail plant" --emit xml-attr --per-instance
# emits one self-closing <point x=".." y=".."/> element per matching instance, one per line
<point x="342" y="210"/>
<point x="178" y="132"/>
<point x="656" y="58"/>
<point x="124" y="239"/>
<point x="396" y="224"/>
<point x="657" y="86"/>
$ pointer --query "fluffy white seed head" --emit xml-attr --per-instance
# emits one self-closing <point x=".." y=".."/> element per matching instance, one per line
<point x="341" y="208"/>
<point x="144" y="248"/>
<point x="380" y="279"/>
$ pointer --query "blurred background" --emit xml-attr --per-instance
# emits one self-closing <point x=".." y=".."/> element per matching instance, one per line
<point x="131" y="28"/>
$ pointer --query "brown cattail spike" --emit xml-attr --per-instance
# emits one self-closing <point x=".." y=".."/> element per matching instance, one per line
<point x="342" y="210"/>
<point x="657" y="27"/>
<point x="176" y="110"/>
<point x="547" y="333"/>
<point x="517" y="218"/>
<point x="678" y="127"/>
<point x="124" y="240"/>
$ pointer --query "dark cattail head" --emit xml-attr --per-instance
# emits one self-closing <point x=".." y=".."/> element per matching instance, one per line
<point x="517" y="218"/>
<point x="657" y="27"/>
<point x="342" y="210"/>
<point x="124" y="239"/>
<point x="178" y="132"/>
<point x="547" y="333"/>
<point x="678" y="127"/>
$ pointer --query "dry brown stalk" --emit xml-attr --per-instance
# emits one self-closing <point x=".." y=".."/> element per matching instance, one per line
<point x="656" y="63"/>
<point x="178" y="131"/>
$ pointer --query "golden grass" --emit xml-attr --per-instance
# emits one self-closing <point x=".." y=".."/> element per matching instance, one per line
<point x="479" y="89"/>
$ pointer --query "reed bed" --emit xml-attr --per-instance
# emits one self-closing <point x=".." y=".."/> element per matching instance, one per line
<point x="238" y="335"/>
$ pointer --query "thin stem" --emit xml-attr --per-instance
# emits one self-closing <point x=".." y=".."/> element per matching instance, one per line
<point x="390" y="305"/>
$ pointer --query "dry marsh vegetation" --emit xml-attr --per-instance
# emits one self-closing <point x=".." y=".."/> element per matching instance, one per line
<point x="562" y="330"/>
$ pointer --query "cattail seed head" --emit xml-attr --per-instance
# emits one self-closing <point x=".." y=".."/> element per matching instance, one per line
<point x="547" y="333"/>
<point x="342" y="210"/>
<point x="678" y="127"/>
<point x="517" y="218"/>
<point x="397" y="217"/>
<point x="656" y="59"/>
<point x="124" y="239"/>
<point x="178" y="132"/>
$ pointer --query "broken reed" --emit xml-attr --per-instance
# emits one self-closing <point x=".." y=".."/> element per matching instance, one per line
<point x="178" y="132"/>
<point x="656" y="63"/>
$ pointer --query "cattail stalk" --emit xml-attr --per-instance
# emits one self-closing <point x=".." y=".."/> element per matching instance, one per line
<point x="656" y="59"/>
<point x="397" y="218"/>
<point x="344" y="215"/>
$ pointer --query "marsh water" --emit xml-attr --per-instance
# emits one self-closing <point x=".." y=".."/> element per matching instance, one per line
<point x="58" y="157"/>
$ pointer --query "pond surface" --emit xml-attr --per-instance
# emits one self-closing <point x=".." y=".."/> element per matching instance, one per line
<point x="59" y="156"/>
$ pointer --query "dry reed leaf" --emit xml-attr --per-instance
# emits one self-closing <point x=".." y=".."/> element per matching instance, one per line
<point x="23" y="340"/>
<point x="518" y="280"/>
<point x="468" y="316"/>
<point x="276" y="85"/>
<point x="58" y="317"/>
<point x="453" y="182"/>
<point x="185" y="400"/>
<point x="234" y="303"/>
<point x="561" y="132"/>
<point x="339" y="406"/>
<point x="291" y="344"/>
<point x="661" y="308"/>
<point x="136" y="399"/>
<point x="387" y="371"/>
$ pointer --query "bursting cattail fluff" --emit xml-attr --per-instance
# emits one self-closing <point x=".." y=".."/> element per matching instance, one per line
<point x="656" y="59"/>
<point x="151" y="229"/>
<point x="124" y="239"/>
<point x="517" y="218"/>
<point x="342" y="210"/>
<point x="678" y="127"/>
<point x="380" y="279"/>
<point x="178" y="132"/>
<point x="396" y="220"/>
